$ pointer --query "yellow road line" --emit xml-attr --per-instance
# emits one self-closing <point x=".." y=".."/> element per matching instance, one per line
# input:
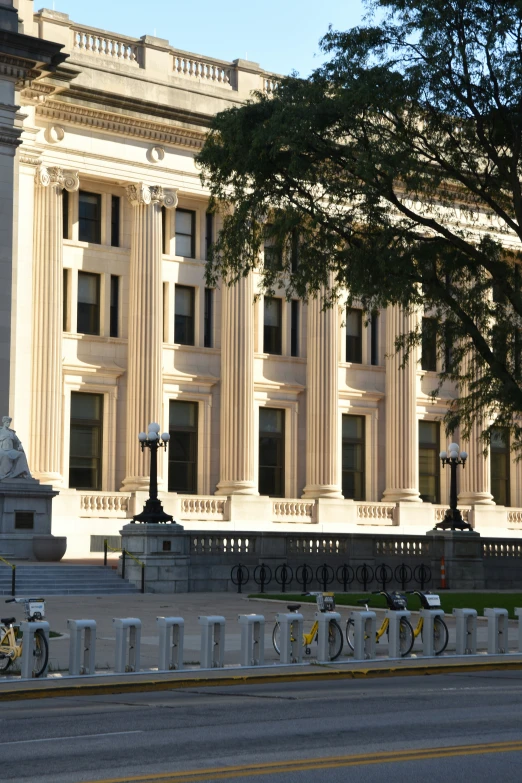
<point x="60" y="688"/>
<point x="328" y="762"/>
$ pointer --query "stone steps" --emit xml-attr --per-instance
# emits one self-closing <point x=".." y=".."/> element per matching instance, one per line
<point x="46" y="580"/>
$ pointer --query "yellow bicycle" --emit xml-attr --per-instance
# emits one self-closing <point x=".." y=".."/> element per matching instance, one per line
<point x="11" y="641"/>
<point x="325" y="603"/>
<point x="440" y="629"/>
<point x="395" y="602"/>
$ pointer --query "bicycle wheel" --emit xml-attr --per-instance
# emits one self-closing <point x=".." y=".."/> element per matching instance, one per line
<point x="440" y="635"/>
<point x="276" y="638"/>
<point x="350" y="634"/>
<point x="5" y="662"/>
<point x="335" y="639"/>
<point x="41" y="653"/>
<point x="406" y="636"/>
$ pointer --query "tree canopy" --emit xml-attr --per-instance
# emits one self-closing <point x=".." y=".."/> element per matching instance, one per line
<point x="394" y="169"/>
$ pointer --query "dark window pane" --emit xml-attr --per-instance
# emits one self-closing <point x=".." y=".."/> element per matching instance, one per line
<point x="207" y="336"/>
<point x="183" y="446"/>
<point x="88" y="303"/>
<point x="65" y="213"/>
<point x="115" y="304"/>
<point x="353" y="335"/>
<point x="85" y="441"/>
<point x="115" y="221"/>
<point x="429" y="344"/>
<point x="271" y="452"/>
<point x="500" y="466"/>
<point x="375" y="338"/>
<point x="65" y="298"/>
<point x="209" y="233"/>
<point x="429" y="461"/>
<point x="184" y="315"/>
<point x="294" y="328"/>
<point x="353" y="457"/>
<point x="272" y="328"/>
<point x="185" y="233"/>
<point x="89" y="217"/>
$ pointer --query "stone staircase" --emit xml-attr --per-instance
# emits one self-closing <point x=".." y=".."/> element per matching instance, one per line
<point x="43" y="580"/>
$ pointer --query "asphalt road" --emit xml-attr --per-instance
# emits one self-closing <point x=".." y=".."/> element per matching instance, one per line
<point x="438" y="728"/>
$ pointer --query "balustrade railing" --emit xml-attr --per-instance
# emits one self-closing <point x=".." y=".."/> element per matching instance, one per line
<point x="96" y="42"/>
<point x="293" y="510"/>
<point x="201" y="544"/>
<point x="204" y="508"/>
<point x="103" y="505"/>
<point x="401" y="547"/>
<point x="317" y="545"/>
<point x="204" y="69"/>
<point x="375" y="511"/>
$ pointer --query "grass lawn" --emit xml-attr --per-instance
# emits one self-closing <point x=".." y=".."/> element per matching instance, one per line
<point x="448" y="600"/>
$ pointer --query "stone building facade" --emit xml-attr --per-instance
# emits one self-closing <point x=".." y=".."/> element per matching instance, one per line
<point x="282" y="415"/>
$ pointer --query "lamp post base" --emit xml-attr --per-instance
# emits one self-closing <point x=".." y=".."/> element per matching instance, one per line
<point x="153" y="513"/>
<point x="453" y="521"/>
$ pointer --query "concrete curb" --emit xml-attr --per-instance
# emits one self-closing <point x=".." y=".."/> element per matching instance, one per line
<point x="53" y="688"/>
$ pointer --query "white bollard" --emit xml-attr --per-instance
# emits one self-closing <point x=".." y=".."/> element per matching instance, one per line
<point x="127" y="653"/>
<point x="466" y="643"/>
<point x="364" y="632"/>
<point x="518" y="613"/>
<point x="428" y="638"/>
<point x="171" y="637"/>
<point x="394" y="630"/>
<point x="82" y="647"/>
<point x="290" y="637"/>
<point x="252" y="639"/>
<point x="28" y="629"/>
<point x="323" y="634"/>
<point x="497" y="631"/>
<point x="212" y="641"/>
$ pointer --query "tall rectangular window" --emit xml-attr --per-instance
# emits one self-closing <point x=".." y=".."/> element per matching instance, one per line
<point x="375" y="338"/>
<point x="273" y="256"/>
<point x="294" y="251"/>
<point x="88" y="303"/>
<point x="429" y="344"/>
<point x="65" y="213"/>
<point x="209" y="233"/>
<point x="272" y="452"/>
<point x="85" y="454"/>
<point x="65" y="318"/>
<point x="164" y="238"/>
<point x="272" y="327"/>
<point x="185" y="233"/>
<point x="500" y="461"/>
<point x="115" y="221"/>
<point x="429" y="461"/>
<point x="353" y="335"/>
<point x="183" y="447"/>
<point x="294" y="327"/>
<point x="184" y="315"/>
<point x="207" y="318"/>
<point x="89" y="215"/>
<point x="353" y="457"/>
<point x="115" y="306"/>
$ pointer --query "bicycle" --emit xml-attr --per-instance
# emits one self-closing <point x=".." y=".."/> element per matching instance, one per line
<point x="325" y="603"/>
<point x="396" y="602"/>
<point x="440" y="629"/>
<point x="11" y="640"/>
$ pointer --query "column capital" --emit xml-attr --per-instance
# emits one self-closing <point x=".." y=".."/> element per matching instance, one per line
<point x="58" y="178"/>
<point x="139" y="193"/>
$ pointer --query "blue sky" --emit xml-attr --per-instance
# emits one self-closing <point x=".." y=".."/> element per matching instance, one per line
<point x="281" y="35"/>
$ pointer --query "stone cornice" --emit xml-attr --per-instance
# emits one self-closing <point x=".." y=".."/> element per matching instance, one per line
<point x="121" y="124"/>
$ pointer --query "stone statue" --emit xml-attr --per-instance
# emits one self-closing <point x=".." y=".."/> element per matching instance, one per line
<point x="13" y="462"/>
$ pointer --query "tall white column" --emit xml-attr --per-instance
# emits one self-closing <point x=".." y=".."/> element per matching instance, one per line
<point x="475" y="477"/>
<point x="145" y="361"/>
<point x="402" y="436"/>
<point x="46" y="382"/>
<point x="322" y="413"/>
<point x="237" y="446"/>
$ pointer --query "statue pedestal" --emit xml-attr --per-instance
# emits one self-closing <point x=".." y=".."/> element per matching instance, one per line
<point x="164" y="550"/>
<point x="25" y="512"/>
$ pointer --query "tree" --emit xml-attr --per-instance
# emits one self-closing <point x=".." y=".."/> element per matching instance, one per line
<point x="395" y="168"/>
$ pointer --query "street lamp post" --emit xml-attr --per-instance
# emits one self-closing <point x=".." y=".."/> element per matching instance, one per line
<point x="153" y="510"/>
<point x="453" y="518"/>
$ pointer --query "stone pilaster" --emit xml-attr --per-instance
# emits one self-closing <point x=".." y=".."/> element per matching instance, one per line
<point x="144" y="373"/>
<point x="237" y="390"/>
<point x="46" y="382"/>
<point x="402" y="435"/>
<point x="475" y="478"/>
<point x="322" y="414"/>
